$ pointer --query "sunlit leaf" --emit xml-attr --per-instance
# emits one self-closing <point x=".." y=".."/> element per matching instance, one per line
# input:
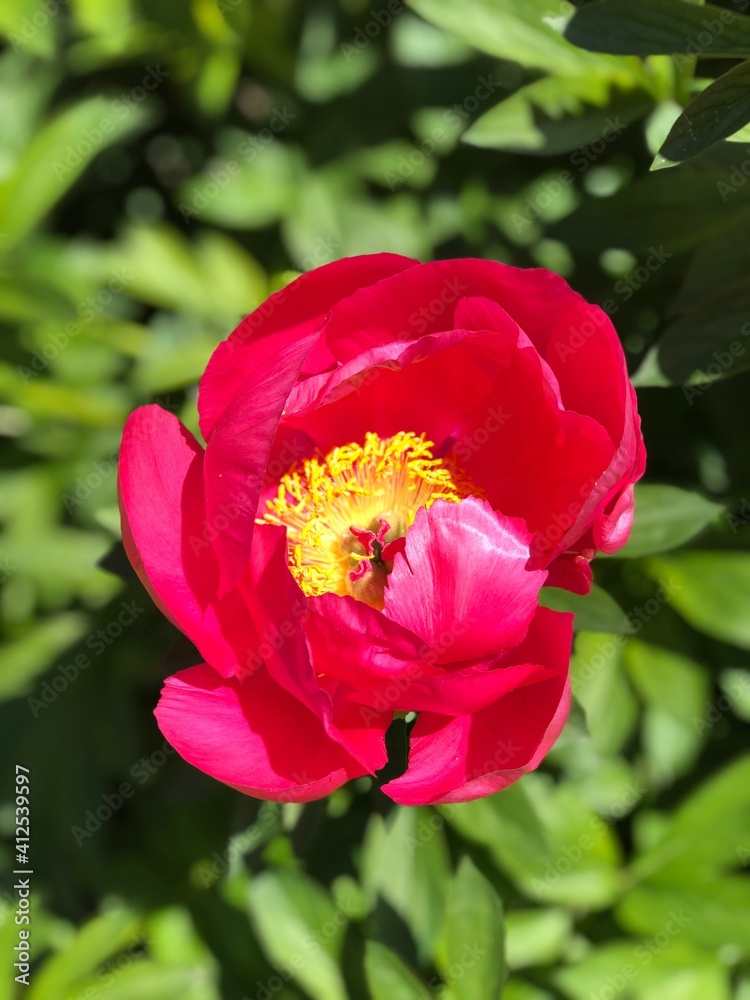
<point x="659" y="27"/>
<point x="665" y="518"/>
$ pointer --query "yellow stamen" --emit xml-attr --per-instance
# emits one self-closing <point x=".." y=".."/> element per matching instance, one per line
<point x="358" y="485"/>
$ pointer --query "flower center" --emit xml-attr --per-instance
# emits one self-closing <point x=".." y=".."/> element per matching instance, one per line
<point x="346" y="513"/>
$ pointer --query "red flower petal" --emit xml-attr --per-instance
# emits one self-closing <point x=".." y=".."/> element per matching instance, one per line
<point x="462" y="582"/>
<point x="466" y="757"/>
<point x="168" y="538"/>
<point x="294" y="312"/>
<point x="251" y="735"/>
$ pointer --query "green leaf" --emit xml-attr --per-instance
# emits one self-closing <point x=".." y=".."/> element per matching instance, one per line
<point x="659" y="27"/>
<point x="526" y="31"/>
<point x="709" y="590"/>
<point x="405" y="864"/>
<point x="705" y="344"/>
<point x="666" y="679"/>
<point x="388" y="978"/>
<point x="602" y="689"/>
<point x="25" y="658"/>
<point x="143" y="980"/>
<point x="301" y="929"/>
<point x="210" y="277"/>
<point x="556" y="115"/>
<point x="57" y="156"/>
<point x="707" y="338"/>
<point x="716" y="113"/>
<point x="536" y="937"/>
<point x="712" y="914"/>
<point x="546" y="841"/>
<point x="676" y="692"/>
<point x="717" y="267"/>
<point x="664" y="967"/>
<point x="471" y="956"/>
<point x="648" y="217"/>
<point x="704" y="835"/>
<point x="98" y="940"/>
<point x="666" y="517"/>
<point x="735" y="684"/>
<point x="594" y="612"/>
<point x="253" y="186"/>
<point x="519" y="989"/>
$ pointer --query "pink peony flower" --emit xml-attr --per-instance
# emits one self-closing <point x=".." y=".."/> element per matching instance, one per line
<point x="398" y="457"/>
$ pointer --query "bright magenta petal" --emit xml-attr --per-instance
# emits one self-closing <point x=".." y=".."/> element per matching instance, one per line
<point x="251" y="735"/>
<point x="429" y="386"/>
<point x="169" y="540"/>
<point x="294" y="312"/>
<point x="466" y="757"/>
<point x="452" y="692"/>
<point x="462" y="582"/>
<point x="238" y="452"/>
<point x="279" y="609"/>
<point x="532" y="458"/>
<point x="356" y="643"/>
<point x="572" y="572"/>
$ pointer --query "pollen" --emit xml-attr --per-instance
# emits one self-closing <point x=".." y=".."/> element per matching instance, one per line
<point x="347" y="512"/>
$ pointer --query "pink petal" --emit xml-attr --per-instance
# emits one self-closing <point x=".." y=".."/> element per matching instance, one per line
<point x="429" y="386"/>
<point x="251" y="735"/>
<point x="423" y="300"/>
<point x="169" y="539"/>
<point x="280" y="612"/>
<point x="469" y="756"/>
<point x="462" y="582"/>
<point x="238" y="450"/>
<point x="294" y="312"/>
<point x="532" y="458"/>
<point x="570" y="571"/>
<point x="585" y="353"/>
<point x="452" y="692"/>
<point x="356" y="643"/>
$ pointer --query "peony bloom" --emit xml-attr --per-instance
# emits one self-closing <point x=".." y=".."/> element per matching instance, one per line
<point x="398" y="457"/>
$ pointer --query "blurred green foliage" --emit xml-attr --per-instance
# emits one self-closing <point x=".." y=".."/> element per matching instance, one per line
<point x="162" y="168"/>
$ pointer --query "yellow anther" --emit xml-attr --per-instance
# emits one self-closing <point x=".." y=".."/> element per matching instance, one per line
<point x="321" y="498"/>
